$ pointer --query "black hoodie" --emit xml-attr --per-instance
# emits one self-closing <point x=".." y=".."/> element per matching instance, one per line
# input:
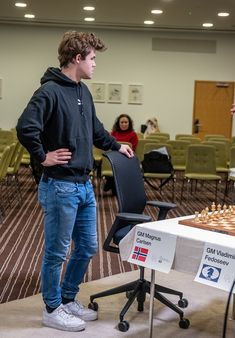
<point x="61" y="114"/>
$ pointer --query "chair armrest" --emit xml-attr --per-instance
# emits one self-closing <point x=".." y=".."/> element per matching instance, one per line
<point x="164" y="207"/>
<point x="139" y="218"/>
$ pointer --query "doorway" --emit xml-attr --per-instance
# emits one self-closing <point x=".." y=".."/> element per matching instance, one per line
<point x="212" y="104"/>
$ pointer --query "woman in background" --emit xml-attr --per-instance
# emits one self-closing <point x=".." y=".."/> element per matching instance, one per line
<point x="123" y="130"/>
<point x="152" y="127"/>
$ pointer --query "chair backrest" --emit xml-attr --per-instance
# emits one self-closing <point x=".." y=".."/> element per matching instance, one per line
<point x="166" y="135"/>
<point x="179" y="150"/>
<point x="232" y="157"/>
<point x="154" y="136"/>
<point x="227" y="141"/>
<point x="128" y="181"/>
<point x="178" y="136"/>
<point x="13" y="169"/>
<point x="5" y="160"/>
<point x="106" y="169"/>
<point x="201" y="159"/>
<point x="15" y="153"/>
<point x="140" y="147"/>
<point x="140" y="136"/>
<point x="26" y="157"/>
<point x="207" y="137"/>
<point x="151" y="146"/>
<point x="232" y="140"/>
<point x="191" y="139"/>
<point x="97" y="153"/>
<point x="220" y="152"/>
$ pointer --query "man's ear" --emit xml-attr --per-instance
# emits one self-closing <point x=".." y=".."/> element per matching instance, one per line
<point x="78" y="58"/>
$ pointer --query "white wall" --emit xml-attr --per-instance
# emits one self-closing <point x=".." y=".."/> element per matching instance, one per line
<point x="167" y="77"/>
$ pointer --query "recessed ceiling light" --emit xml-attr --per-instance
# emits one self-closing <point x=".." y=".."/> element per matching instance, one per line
<point x="223" y="14"/>
<point x="148" y="22"/>
<point x="89" y="19"/>
<point x="89" y="8"/>
<point x="29" y="16"/>
<point x="20" y="4"/>
<point x="207" y="24"/>
<point x="156" y="11"/>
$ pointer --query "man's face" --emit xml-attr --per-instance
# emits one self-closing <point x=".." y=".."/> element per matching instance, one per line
<point x="86" y="67"/>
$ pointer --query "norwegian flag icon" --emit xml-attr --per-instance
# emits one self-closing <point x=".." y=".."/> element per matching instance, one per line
<point x="140" y="254"/>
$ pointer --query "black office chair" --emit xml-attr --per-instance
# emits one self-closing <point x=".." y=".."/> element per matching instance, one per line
<point x="132" y="201"/>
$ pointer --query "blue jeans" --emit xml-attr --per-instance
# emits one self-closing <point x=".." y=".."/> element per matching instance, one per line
<point x="69" y="214"/>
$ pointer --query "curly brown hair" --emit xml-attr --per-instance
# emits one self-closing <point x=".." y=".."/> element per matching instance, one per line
<point x="116" y="126"/>
<point x="74" y="43"/>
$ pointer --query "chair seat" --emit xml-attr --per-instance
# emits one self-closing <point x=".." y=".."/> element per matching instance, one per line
<point x="10" y="170"/>
<point x="179" y="167"/>
<point x="154" y="175"/>
<point x="197" y="176"/>
<point x="107" y="173"/>
<point x="222" y="169"/>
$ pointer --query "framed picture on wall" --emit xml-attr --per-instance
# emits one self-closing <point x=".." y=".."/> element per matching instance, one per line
<point x="135" y="94"/>
<point x="98" y="91"/>
<point x="115" y="93"/>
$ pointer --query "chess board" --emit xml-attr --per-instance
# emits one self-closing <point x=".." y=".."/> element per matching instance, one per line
<point x="223" y="225"/>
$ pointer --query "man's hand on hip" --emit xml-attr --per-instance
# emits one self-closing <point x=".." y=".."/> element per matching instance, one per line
<point x="59" y="156"/>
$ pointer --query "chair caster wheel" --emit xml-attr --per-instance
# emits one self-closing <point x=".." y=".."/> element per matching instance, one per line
<point x="183" y="303"/>
<point x="184" y="323"/>
<point x="93" y="306"/>
<point x="123" y="326"/>
<point x="140" y="307"/>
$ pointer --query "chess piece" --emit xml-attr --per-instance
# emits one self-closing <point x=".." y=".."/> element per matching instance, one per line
<point x="207" y="216"/>
<point x="213" y="208"/>
<point x="218" y="211"/>
<point x="203" y="216"/>
<point x="224" y="213"/>
<point x="196" y="219"/>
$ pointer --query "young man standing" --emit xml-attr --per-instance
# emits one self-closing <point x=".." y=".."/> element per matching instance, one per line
<point x="59" y="127"/>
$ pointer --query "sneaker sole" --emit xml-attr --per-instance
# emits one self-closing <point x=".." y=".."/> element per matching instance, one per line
<point x="87" y="319"/>
<point x="69" y="329"/>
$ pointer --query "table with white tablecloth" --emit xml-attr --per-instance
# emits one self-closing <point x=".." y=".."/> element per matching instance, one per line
<point x="189" y="244"/>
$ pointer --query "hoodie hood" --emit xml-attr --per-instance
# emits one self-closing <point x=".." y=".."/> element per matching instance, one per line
<point x="55" y="75"/>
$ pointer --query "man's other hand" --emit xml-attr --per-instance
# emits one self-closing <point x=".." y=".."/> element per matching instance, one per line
<point x="126" y="150"/>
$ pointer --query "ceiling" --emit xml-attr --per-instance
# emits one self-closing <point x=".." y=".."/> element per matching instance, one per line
<point x="185" y="15"/>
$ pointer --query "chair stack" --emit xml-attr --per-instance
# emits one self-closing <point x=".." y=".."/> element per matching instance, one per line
<point x="11" y="153"/>
<point x="178" y="149"/>
<point x="200" y="167"/>
<point x="5" y="160"/>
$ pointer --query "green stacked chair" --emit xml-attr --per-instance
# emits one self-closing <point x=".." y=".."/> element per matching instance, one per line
<point x="200" y="167"/>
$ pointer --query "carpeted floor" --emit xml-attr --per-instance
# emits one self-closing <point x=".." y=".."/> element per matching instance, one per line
<point x="21" y="241"/>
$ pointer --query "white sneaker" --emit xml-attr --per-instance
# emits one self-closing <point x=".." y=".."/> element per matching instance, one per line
<point x="77" y="309"/>
<point x="61" y="320"/>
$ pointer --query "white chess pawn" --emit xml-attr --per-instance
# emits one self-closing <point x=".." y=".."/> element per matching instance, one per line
<point x="196" y="219"/>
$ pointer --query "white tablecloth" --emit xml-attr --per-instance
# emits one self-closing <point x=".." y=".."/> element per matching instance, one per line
<point x="189" y="245"/>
